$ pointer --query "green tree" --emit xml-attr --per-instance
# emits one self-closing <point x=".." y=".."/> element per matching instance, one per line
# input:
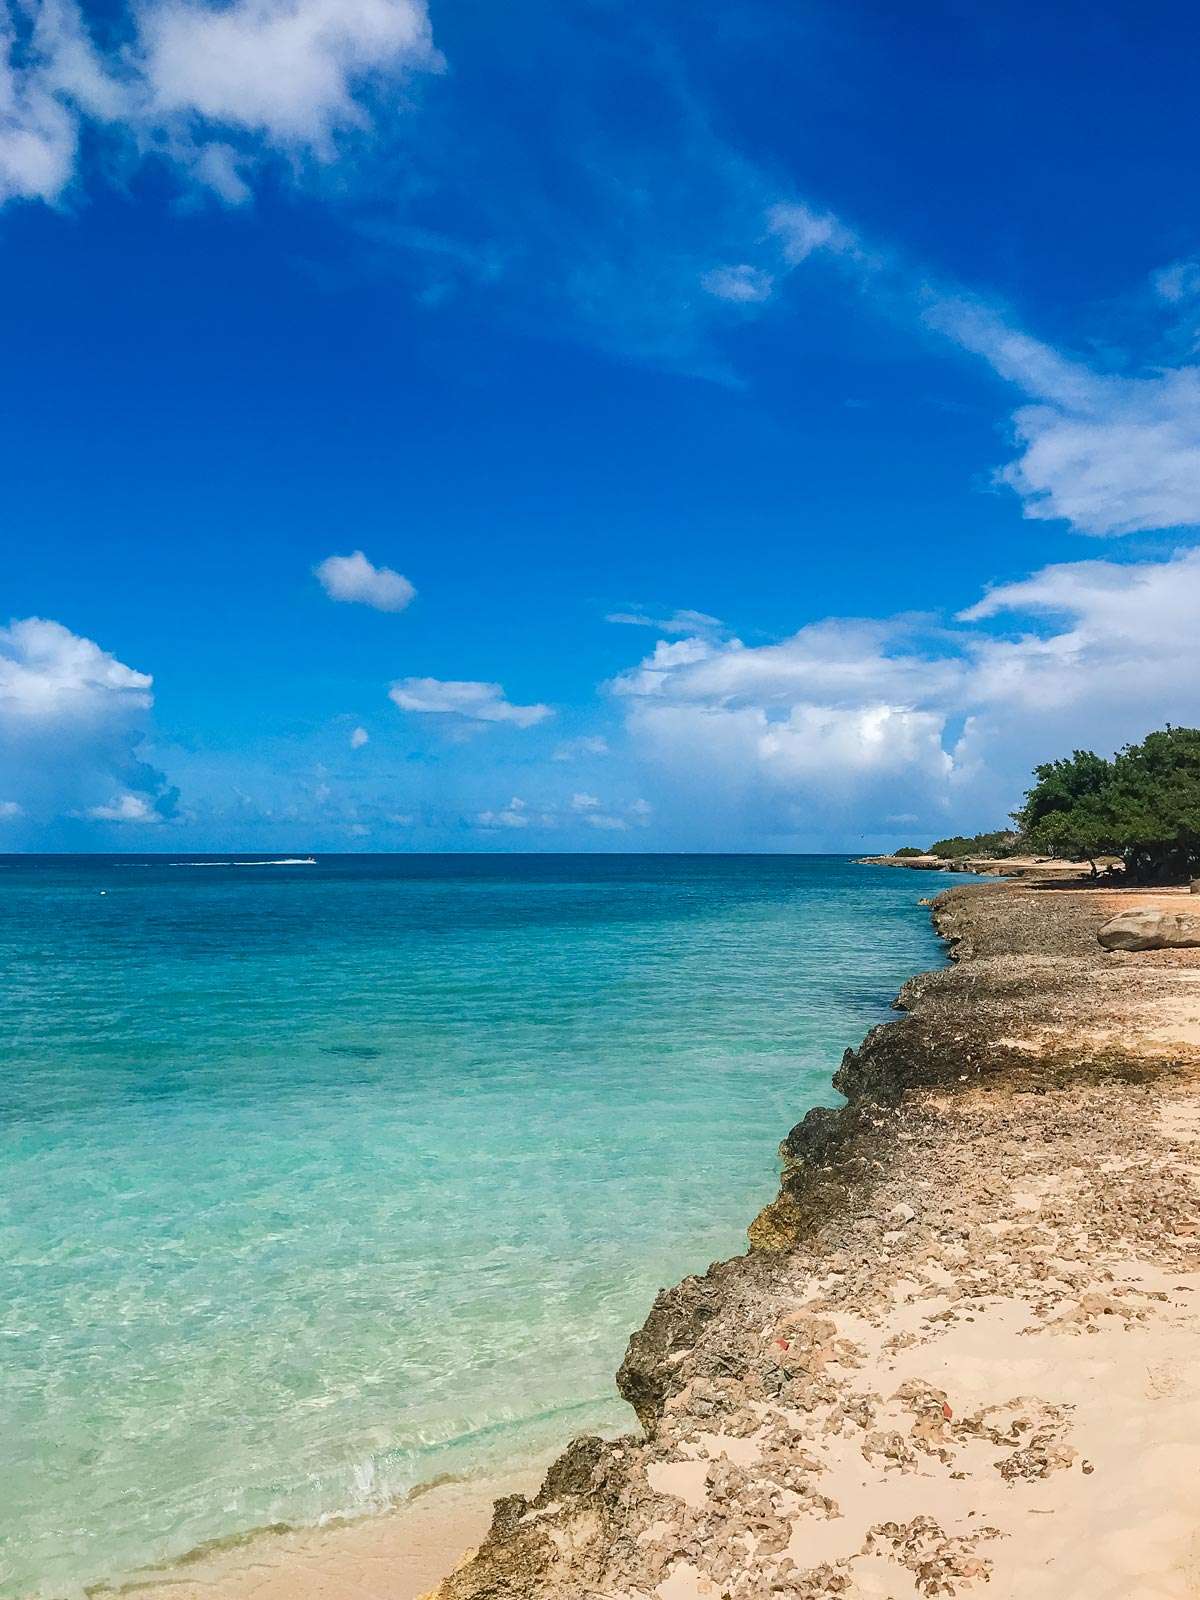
<point x="1063" y="785"/>
<point x="1144" y="806"/>
<point x="1152" y="804"/>
<point x="1003" y="842"/>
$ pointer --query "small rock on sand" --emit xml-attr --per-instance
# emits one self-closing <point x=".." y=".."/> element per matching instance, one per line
<point x="1149" y="929"/>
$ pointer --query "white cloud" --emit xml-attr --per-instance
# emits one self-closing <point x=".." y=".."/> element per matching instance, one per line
<point x="355" y="580"/>
<point x="51" y="676"/>
<point x="588" y="744"/>
<point x="682" y="621"/>
<point x="514" y="815"/>
<point x="600" y="819"/>
<point x="477" y="702"/>
<point x="10" y="809"/>
<point x="802" y="231"/>
<point x="794" y="232"/>
<point x="358" y="738"/>
<point x="222" y="169"/>
<point x="1108" y="454"/>
<point x="125" y="808"/>
<point x="287" y="69"/>
<point x="50" y="79"/>
<point x="850" y="723"/>
<point x="584" y="802"/>
<point x="1178" y="282"/>
<point x="213" y="88"/>
<point x="72" y="719"/>
<point x="743" y="284"/>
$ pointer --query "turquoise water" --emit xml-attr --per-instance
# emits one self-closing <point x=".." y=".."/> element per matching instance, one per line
<point x="320" y="1181"/>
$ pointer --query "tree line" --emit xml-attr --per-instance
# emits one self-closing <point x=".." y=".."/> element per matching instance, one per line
<point x="1140" y="809"/>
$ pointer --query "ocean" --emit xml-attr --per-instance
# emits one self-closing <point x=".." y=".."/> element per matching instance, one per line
<point x="323" y="1181"/>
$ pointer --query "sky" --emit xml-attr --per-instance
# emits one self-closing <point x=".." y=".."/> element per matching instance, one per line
<point x="591" y="426"/>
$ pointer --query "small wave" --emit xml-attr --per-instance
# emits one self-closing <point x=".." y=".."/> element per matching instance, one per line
<point x="286" y="861"/>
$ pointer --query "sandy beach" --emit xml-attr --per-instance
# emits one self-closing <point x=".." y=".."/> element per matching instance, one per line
<point x="398" y="1555"/>
<point x="963" y="1349"/>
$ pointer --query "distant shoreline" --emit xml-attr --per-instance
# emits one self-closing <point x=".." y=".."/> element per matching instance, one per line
<point x="1035" y="867"/>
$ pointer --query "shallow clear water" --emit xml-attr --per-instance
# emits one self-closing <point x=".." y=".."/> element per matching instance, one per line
<point x="321" y="1181"/>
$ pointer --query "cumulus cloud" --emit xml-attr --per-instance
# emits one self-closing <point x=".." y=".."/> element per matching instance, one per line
<point x="851" y="722"/>
<point x="72" y="718"/>
<point x="476" y="702"/>
<point x="10" y="809"/>
<point x="215" y="89"/>
<point x="51" y="78"/>
<point x="284" y="68"/>
<point x="514" y="815"/>
<point x="358" y="738"/>
<point x="356" y="581"/>
<point x="126" y="808"/>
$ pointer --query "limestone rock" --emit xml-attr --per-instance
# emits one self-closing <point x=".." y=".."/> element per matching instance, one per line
<point x="1148" y="929"/>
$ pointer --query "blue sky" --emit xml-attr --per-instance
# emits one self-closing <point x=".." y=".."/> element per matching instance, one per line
<point x="792" y="332"/>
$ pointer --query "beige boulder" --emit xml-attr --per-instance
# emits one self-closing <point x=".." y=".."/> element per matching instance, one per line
<point x="1149" y="929"/>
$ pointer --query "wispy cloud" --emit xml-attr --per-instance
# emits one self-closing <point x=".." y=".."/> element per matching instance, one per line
<point x="698" y="622"/>
<point x="743" y="284"/>
<point x="801" y="231"/>
<point x="588" y="744"/>
<point x="1108" y="453"/>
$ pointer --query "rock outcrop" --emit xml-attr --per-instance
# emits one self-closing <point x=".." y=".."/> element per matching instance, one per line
<point x="1150" y="928"/>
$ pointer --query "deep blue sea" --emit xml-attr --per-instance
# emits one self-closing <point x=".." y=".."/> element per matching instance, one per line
<point x="320" y="1181"/>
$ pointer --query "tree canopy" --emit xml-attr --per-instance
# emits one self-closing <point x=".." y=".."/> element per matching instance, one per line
<point x="1143" y="805"/>
<point x="1000" y="843"/>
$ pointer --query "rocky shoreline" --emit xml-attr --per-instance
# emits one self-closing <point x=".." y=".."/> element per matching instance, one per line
<point x="943" y="1359"/>
<point x="1038" y="868"/>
